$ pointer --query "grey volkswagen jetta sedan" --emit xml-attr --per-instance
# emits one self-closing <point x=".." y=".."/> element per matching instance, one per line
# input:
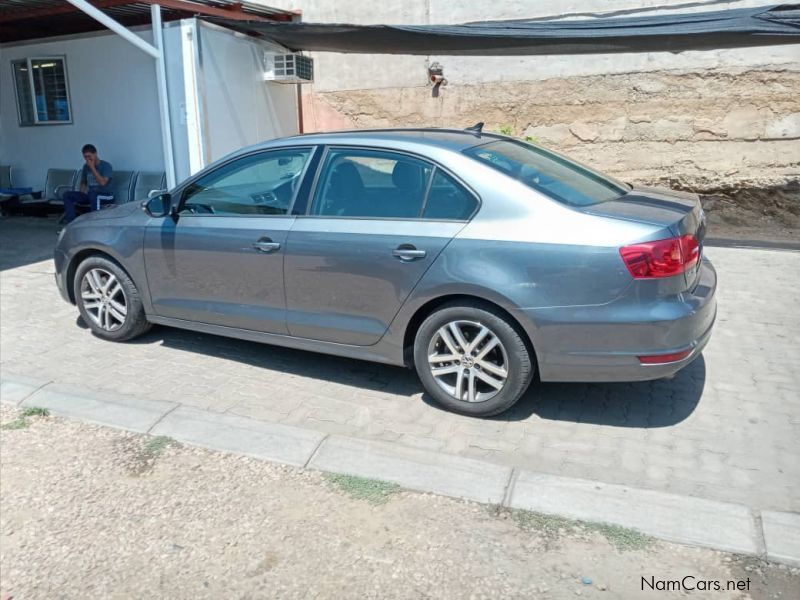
<point x="479" y="259"/>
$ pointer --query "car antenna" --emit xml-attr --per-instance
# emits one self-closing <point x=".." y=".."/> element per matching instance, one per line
<point x="477" y="129"/>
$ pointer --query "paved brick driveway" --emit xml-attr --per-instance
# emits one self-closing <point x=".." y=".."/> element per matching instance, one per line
<point x="727" y="427"/>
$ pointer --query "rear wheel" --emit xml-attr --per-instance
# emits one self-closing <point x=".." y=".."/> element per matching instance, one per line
<point x="108" y="300"/>
<point x="472" y="360"/>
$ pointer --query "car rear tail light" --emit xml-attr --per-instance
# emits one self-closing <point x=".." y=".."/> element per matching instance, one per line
<point x="658" y="359"/>
<point x="662" y="258"/>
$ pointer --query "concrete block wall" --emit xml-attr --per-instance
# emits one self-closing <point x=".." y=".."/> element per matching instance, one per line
<point x="703" y="120"/>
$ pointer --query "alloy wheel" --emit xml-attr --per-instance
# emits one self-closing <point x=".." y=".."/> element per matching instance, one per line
<point x="104" y="299"/>
<point x="468" y="361"/>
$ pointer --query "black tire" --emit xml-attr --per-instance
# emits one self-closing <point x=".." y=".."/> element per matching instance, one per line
<point x="514" y="356"/>
<point x="134" y="323"/>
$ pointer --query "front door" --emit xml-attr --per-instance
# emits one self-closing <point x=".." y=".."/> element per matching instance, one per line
<point x="221" y="260"/>
<point x="354" y="259"/>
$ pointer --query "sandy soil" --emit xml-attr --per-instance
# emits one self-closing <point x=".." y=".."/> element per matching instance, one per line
<point x="91" y="512"/>
<point x="754" y="214"/>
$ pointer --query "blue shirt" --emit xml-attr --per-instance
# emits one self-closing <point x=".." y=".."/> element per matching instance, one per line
<point x="90" y="180"/>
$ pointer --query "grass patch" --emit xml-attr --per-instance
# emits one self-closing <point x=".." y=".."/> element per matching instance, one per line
<point x="35" y="411"/>
<point x="373" y="491"/>
<point x="16" y="424"/>
<point x="22" y="422"/>
<point x="156" y="445"/>
<point x="138" y="455"/>
<point x="621" y="537"/>
<point x="551" y="527"/>
<point x="509" y="131"/>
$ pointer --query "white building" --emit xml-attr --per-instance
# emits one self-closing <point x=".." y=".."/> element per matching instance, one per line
<point x="67" y="80"/>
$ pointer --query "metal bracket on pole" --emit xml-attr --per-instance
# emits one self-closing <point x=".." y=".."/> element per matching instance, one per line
<point x="121" y="30"/>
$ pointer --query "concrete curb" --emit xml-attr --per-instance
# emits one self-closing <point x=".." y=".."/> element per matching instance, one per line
<point x="671" y="517"/>
<point x="13" y="390"/>
<point x="229" y="433"/>
<point x="413" y="468"/>
<point x="751" y="244"/>
<point x="782" y="536"/>
<point x="133" y="414"/>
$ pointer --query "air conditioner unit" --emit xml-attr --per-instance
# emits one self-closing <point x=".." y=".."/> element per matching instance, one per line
<point x="288" y="68"/>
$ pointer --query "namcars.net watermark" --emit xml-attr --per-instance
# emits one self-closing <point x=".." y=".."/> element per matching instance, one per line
<point x="690" y="583"/>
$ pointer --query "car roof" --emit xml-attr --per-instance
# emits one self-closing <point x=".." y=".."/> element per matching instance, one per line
<point x="451" y="139"/>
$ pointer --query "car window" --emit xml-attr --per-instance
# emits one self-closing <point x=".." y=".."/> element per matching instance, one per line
<point x="259" y="184"/>
<point x="447" y="199"/>
<point x="371" y="183"/>
<point x="548" y="172"/>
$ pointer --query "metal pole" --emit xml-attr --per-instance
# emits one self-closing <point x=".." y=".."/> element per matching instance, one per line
<point x="163" y="98"/>
<point x="120" y="30"/>
<point x="300" y="117"/>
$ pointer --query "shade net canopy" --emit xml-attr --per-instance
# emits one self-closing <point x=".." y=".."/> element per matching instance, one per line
<point x="734" y="28"/>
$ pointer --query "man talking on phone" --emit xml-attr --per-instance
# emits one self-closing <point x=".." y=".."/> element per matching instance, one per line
<point x="95" y="181"/>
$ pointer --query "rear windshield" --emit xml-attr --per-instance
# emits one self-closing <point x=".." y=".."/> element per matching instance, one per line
<point x="549" y="173"/>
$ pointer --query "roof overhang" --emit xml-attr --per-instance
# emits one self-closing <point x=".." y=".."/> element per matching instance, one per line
<point x="33" y="19"/>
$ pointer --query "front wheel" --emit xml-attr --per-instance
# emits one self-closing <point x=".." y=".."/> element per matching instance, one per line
<point x="108" y="300"/>
<point x="472" y="360"/>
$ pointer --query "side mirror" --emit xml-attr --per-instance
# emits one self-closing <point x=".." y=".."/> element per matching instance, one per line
<point x="154" y="193"/>
<point x="158" y="206"/>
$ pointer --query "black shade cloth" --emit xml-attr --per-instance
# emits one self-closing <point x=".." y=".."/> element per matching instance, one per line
<point x="735" y="28"/>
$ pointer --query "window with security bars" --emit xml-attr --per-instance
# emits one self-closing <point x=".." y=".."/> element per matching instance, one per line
<point x="42" y="91"/>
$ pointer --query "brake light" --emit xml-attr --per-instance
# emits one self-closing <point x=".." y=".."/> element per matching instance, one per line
<point x="690" y="250"/>
<point x="662" y="258"/>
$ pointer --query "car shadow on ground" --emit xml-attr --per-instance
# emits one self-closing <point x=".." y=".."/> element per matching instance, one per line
<point x="644" y="404"/>
<point x="26" y="240"/>
<point x="640" y="404"/>
<point x="366" y="375"/>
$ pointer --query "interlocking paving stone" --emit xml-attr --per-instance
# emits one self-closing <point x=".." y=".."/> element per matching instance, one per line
<point x="740" y="400"/>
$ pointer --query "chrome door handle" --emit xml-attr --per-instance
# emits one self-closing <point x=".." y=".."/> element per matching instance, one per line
<point x="266" y="247"/>
<point x="407" y="252"/>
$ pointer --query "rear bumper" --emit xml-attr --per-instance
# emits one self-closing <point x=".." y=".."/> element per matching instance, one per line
<point x="603" y="343"/>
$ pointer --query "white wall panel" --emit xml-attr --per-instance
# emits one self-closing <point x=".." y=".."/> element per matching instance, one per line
<point x="114" y="106"/>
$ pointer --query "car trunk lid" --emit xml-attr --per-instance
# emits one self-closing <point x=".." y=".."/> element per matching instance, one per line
<point x="679" y="213"/>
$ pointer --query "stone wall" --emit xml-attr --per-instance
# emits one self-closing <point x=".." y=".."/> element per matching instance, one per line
<point x="710" y="120"/>
<point x="705" y="130"/>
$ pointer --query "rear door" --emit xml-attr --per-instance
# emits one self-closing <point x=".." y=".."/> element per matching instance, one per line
<point x="366" y="241"/>
<point x="220" y="261"/>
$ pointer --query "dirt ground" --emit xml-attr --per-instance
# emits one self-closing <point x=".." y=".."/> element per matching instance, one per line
<point x="92" y="512"/>
<point x="754" y="214"/>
